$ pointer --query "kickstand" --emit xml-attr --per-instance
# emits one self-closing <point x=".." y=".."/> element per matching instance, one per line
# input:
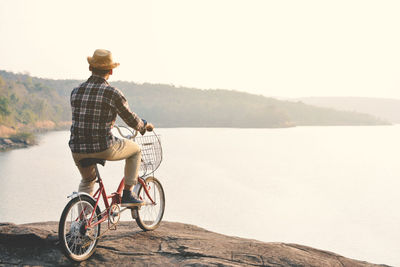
<point x="134" y="213"/>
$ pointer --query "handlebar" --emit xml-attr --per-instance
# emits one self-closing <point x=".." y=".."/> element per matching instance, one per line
<point x="133" y="132"/>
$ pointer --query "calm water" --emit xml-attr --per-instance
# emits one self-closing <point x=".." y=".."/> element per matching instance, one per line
<point x="333" y="188"/>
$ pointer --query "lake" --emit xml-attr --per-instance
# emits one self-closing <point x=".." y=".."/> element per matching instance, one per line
<point x="332" y="188"/>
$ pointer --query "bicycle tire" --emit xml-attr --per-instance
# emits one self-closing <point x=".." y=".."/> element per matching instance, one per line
<point x="144" y="219"/>
<point x="76" y="228"/>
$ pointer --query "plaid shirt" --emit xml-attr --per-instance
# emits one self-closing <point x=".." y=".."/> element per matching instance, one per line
<point x="95" y="105"/>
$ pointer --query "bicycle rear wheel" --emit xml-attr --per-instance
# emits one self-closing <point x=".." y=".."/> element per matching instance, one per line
<point x="78" y="243"/>
<point x="150" y="214"/>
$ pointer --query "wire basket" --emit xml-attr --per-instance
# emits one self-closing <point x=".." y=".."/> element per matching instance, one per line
<point x="150" y="146"/>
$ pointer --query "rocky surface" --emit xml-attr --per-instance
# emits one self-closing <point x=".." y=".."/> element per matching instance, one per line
<point x="22" y="136"/>
<point x="11" y="143"/>
<point x="172" y="244"/>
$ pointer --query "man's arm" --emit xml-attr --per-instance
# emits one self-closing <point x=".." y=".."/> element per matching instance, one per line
<point x="129" y="117"/>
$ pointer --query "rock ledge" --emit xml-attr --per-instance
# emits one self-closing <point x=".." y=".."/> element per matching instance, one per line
<point x="172" y="244"/>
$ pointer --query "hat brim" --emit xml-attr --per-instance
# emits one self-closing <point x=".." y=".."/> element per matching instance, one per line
<point x="109" y="66"/>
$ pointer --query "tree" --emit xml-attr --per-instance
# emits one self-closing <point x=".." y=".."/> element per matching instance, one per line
<point x="2" y="82"/>
<point x="4" y="109"/>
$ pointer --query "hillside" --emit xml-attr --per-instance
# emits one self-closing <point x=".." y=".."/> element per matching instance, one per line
<point x="28" y="102"/>
<point x="172" y="244"/>
<point x="386" y="109"/>
<point x="31" y="102"/>
<point x="171" y="106"/>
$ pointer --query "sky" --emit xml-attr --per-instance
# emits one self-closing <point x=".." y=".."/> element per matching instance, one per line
<point x="273" y="48"/>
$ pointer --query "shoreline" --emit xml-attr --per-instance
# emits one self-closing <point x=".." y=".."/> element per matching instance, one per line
<point x="26" y="135"/>
<point x="7" y="144"/>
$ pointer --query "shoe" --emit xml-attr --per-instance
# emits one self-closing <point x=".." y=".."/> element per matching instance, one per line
<point x="129" y="200"/>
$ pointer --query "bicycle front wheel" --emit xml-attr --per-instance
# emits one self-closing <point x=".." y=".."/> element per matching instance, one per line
<point x="76" y="239"/>
<point x="150" y="214"/>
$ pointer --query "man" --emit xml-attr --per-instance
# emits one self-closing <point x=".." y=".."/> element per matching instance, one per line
<point x="95" y="105"/>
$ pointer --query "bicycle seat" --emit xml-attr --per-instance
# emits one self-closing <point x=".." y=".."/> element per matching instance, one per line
<point x="91" y="161"/>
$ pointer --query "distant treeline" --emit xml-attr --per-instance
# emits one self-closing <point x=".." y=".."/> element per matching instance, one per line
<point x="26" y="100"/>
<point x="384" y="108"/>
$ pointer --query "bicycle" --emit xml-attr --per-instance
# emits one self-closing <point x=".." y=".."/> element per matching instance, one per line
<point x="79" y="227"/>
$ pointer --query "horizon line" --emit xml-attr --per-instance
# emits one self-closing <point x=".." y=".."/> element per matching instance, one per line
<point x="294" y="98"/>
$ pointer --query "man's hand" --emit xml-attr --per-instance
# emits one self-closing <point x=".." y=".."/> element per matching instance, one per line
<point x="149" y="127"/>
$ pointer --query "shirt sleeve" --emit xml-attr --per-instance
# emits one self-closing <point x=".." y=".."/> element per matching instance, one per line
<point x="123" y="110"/>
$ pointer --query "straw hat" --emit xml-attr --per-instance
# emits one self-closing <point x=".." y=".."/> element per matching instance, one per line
<point x="102" y="59"/>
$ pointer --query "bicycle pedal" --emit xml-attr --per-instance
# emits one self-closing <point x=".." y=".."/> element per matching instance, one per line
<point x="112" y="226"/>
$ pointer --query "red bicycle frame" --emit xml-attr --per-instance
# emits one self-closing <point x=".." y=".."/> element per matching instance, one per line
<point x="116" y="198"/>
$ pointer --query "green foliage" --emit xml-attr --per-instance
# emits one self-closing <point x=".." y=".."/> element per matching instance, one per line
<point x="2" y="83"/>
<point x="14" y="99"/>
<point x="25" y="99"/>
<point x="27" y="116"/>
<point x="4" y="106"/>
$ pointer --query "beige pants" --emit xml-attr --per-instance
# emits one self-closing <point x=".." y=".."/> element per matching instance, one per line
<point x="121" y="149"/>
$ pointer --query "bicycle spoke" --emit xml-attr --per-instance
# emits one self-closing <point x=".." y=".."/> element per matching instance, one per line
<point x="68" y="237"/>
<point x="73" y="244"/>
<point x="81" y="251"/>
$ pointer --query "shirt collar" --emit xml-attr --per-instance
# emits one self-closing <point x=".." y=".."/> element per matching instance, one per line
<point x="97" y="78"/>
